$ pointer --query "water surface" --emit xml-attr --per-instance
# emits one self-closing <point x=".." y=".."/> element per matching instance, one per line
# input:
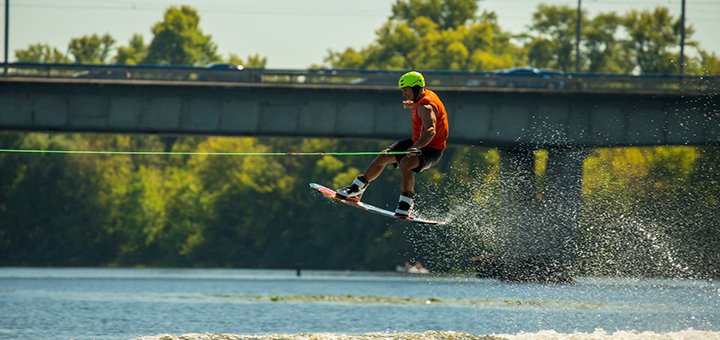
<point x="127" y="303"/>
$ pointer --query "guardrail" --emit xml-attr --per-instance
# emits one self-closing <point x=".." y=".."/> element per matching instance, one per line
<point x="707" y="84"/>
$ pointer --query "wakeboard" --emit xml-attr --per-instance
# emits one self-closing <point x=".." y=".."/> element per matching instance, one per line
<point x="330" y="193"/>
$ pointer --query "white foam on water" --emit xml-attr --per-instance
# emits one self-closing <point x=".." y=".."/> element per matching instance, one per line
<point x="598" y="334"/>
<point x="688" y="334"/>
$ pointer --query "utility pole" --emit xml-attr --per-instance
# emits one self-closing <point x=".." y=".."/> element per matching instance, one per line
<point x="682" y="39"/>
<point x="577" y="36"/>
<point x="7" y="29"/>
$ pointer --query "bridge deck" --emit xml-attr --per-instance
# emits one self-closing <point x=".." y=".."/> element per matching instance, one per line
<point x="525" y="117"/>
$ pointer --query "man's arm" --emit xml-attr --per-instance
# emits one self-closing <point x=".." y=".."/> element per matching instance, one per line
<point x="427" y="114"/>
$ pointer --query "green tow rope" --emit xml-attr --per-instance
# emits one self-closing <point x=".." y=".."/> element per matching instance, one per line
<point x="83" y="152"/>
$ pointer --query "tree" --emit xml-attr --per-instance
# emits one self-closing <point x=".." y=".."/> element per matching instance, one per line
<point x="133" y="53"/>
<point x="429" y="34"/>
<point x="51" y="213"/>
<point x="447" y="14"/>
<point x="91" y="49"/>
<point x="553" y="46"/>
<point x="653" y="38"/>
<point x="178" y="40"/>
<point x="646" y="40"/>
<point x="702" y="236"/>
<point x="41" y="53"/>
<point x="602" y="51"/>
<point x="255" y="60"/>
<point x="247" y="194"/>
<point x="710" y="63"/>
<point x="541" y="52"/>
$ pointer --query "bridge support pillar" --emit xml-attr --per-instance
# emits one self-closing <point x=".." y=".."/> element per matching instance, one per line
<point x="537" y="240"/>
<point x="562" y="205"/>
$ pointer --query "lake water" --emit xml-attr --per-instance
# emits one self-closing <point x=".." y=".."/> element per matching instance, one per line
<point x="128" y="303"/>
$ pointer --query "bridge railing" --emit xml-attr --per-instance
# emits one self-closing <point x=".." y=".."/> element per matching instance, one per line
<point x="371" y="78"/>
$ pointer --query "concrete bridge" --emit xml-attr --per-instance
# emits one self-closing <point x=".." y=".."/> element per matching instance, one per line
<point x="516" y="121"/>
<point x="508" y="118"/>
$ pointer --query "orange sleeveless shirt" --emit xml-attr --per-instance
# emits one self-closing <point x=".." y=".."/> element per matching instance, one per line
<point x="441" y="120"/>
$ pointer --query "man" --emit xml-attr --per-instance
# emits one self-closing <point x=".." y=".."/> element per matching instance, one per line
<point x="429" y="137"/>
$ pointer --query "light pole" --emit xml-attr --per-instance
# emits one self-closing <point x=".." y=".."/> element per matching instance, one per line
<point x="7" y="29"/>
<point x="682" y="39"/>
<point x="577" y="36"/>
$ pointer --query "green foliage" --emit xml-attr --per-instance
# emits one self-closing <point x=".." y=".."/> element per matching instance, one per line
<point x="652" y="36"/>
<point x="602" y="50"/>
<point x="134" y="53"/>
<point x="41" y="53"/>
<point x="429" y="34"/>
<point x="448" y="35"/>
<point x="52" y="196"/>
<point x="254" y="61"/>
<point x="447" y="14"/>
<point x="645" y="41"/>
<point x="710" y="63"/>
<point x="259" y="212"/>
<point x="554" y="45"/>
<point x="178" y="40"/>
<point x="434" y="34"/>
<point x="705" y="63"/>
<point x="91" y="49"/>
<point x="651" y="212"/>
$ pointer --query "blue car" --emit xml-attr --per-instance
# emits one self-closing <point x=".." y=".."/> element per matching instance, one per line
<point x="226" y="72"/>
<point x="529" y="77"/>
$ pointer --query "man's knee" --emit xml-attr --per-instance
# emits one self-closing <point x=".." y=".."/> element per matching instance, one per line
<point x="385" y="159"/>
<point x="407" y="164"/>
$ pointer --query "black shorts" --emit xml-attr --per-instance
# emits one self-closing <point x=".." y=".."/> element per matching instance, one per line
<point x="428" y="158"/>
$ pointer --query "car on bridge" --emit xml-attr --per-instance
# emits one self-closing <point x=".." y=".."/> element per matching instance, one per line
<point x="529" y="77"/>
<point x="104" y="74"/>
<point x="225" y="67"/>
<point x="226" y="72"/>
<point x="524" y="77"/>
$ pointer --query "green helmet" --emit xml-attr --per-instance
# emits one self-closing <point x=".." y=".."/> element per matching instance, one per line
<point x="410" y="79"/>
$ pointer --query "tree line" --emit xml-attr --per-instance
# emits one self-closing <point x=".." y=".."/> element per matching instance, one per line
<point x="454" y="35"/>
<point x="646" y="211"/>
<point x="177" y="40"/>
<point x="432" y="35"/>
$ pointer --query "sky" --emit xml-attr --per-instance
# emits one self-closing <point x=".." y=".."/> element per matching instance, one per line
<point x="290" y="33"/>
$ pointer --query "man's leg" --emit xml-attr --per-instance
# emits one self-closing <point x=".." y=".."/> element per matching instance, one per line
<point x="355" y="190"/>
<point x="381" y="161"/>
<point x="408" y="175"/>
<point x="405" y="202"/>
<point x="377" y="166"/>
